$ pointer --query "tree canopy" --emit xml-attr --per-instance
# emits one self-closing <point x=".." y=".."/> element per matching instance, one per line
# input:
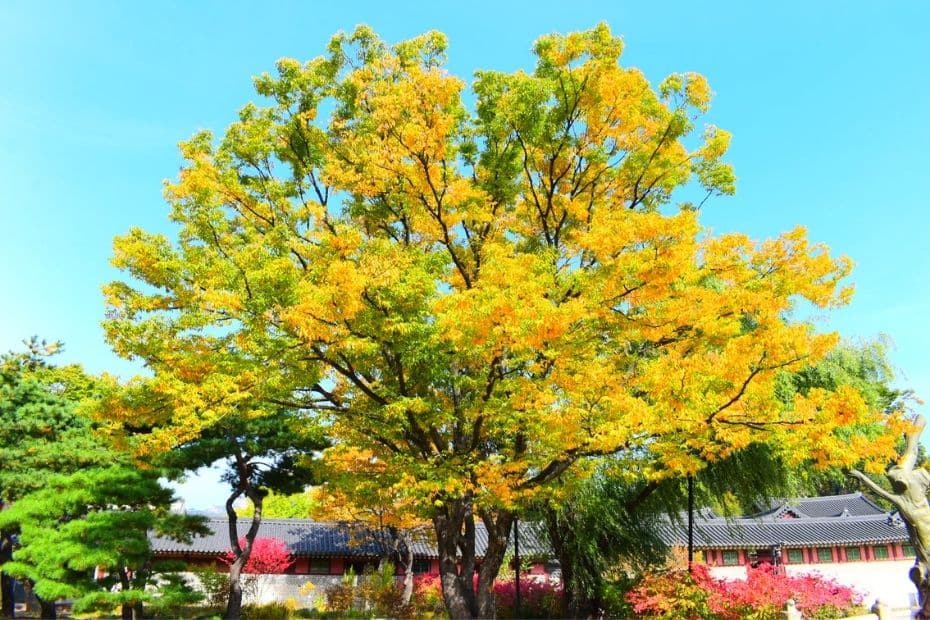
<point x="480" y="296"/>
<point x="282" y="506"/>
<point x="41" y="433"/>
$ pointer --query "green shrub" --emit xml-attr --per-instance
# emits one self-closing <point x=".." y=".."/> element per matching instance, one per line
<point x="174" y="596"/>
<point x="380" y="591"/>
<point x="214" y="584"/>
<point x="271" y="611"/>
<point x="340" y="597"/>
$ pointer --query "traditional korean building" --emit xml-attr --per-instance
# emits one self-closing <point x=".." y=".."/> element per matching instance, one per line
<point x="845" y="537"/>
<point x="331" y="548"/>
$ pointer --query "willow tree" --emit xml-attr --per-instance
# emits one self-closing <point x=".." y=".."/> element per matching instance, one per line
<point x="481" y="295"/>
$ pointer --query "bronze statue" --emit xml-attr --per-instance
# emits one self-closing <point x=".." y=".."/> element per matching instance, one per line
<point x="909" y="495"/>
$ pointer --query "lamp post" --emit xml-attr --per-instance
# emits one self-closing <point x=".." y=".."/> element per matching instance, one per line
<point x="690" y="522"/>
<point x="516" y="559"/>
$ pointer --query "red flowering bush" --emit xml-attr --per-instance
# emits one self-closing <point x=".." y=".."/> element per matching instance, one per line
<point x="269" y="557"/>
<point x="674" y="594"/>
<point x="763" y="595"/>
<point x="815" y="596"/>
<point x="427" y="596"/>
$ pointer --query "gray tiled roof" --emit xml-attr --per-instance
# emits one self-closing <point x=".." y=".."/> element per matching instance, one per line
<point x="806" y="522"/>
<point x="311" y="538"/>
<point x="720" y="533"/>
<point x="302" y="537"/>
<point x="853" y="504"/>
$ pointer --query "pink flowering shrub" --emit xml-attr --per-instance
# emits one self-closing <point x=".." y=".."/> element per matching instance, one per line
<point x="763" y="595"/>
<point x="538" y="599"/>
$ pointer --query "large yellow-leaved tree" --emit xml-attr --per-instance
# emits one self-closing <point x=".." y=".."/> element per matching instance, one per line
<point x="478" y="290"/>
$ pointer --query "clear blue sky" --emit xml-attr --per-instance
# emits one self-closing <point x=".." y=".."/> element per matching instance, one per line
<point x="827" y="102"/>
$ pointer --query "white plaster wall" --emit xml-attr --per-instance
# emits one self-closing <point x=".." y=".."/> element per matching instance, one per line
<point x="728" y="572"/>
<point x="278" y="588"/>
<point x="885" y="580"/>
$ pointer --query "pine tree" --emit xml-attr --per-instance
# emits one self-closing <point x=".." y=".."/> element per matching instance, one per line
<point x="265" y="449"/>
<point x="41" y="435"/>
<point x="85" y="536"/>
<point x="72" y="501"/>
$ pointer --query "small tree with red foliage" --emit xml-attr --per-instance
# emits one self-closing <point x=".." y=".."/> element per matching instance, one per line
<point x="269" y="557"/>
<point x="674" y="594"/>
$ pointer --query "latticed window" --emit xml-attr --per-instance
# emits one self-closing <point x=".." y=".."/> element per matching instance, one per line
<point x="880" y="553"/>
<point x="908" y="549"/>
<point x="853" y="554"/>
<point x="420" y="566"/>
<point x="319" y="566"/>
<point x="795" y="556"/>
<point x="359" y="567"/>
<point x="730" y="558"/>
<point x="824" y="554"/>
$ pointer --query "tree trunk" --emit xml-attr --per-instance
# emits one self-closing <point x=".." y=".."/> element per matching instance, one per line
<point x="234" y="598"/>
<point x="129" y="610"/>
<point x="577" y="601"/>
<point x="8" y="607"/>
<point x="7" y="596"/>
<point x="458" y="593"/>
<point x="46" y="609"/>
<point x="467" y="595"/>
<point x="241" y="552"/>
<point x="498" y="525"/>
<point x="408" y="573"/>
<point x="918" y="575"/>
<point x="126" y="608"/>
<point x="560" y="546"/>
